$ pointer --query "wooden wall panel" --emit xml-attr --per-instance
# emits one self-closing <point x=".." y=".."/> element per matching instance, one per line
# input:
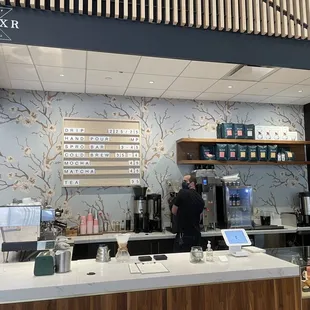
<point x="167" y="11"/>
<point x="213" y="14"/>
<point x="279" y="294"/>
<point x="235" y="13"/>
<point x="71" y="5"/>
<point x="308" y="16"/>
<point x="147" y="300"/>
<point x="80" y="6"/>
<point x="90" y="7"/>
<point x="270" y="20"/>
<point x="52" y="4"/>
<point x="22" y="3"/>
<point x="257" y="19"/>
<point x="250" y="17"/>
<point x="228" y="15"/>
<point x="2" y="2"/>
<point x="175" y="12"/>
<point x="284" y="19"/>
<point x="291" y="24"/>
<point x="296" y="9"/>
<point x="242" y="12"/>
<point x="221" y="15"/>
<point x="304" y="19"/>
<point x="125" y="8"/>
<point x="116" y="8"/>
<point x="306" y="304"/>
<point x="142" y="10"/>
<point x="134" y="9"/>
<point x="99" y="7"/>
<point x="206" y="12"/>
<point x="62" y="5"/>
<point x="263" y="16"/>
<point x="107" y="8"/>
<point x="277" y="18"/>
<point x="151" y="11"/>
<point x="159" y="12"/>
<point x="183" y="12"/>
<point x="32" y="3"/>
<point x="190" y="13"/>
<point x="199" y="13"/>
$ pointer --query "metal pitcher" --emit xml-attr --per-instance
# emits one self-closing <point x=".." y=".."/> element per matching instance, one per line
<point x="103" y="254"/>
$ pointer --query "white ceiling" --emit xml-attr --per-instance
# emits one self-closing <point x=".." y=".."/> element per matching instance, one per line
<point x="54" y="69"/>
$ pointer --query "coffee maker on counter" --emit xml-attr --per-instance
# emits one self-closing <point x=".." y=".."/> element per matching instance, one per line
<point x="139" y="207"/>
<point x="152" y="219"/>
<point x="206" y="186"/>
<point x="303" y="216"/>
<point x="147" y="211"/>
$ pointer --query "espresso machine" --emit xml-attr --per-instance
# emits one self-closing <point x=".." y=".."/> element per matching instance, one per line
<point x="304" y="204"/>
<point x="152" y="219"/>
<point x="206" y="186"/>
<point x="140" y="208"/>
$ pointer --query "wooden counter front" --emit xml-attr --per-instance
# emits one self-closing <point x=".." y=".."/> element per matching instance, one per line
<point x="274" y="294"/>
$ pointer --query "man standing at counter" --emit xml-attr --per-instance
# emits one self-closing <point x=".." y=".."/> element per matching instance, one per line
<point x="188" y="208"/>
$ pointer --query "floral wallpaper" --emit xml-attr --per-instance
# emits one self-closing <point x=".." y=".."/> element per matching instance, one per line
<point x="30" y="148"/>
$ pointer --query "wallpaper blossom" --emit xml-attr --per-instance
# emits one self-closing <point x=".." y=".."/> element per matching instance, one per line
<point x="30" y="148"/>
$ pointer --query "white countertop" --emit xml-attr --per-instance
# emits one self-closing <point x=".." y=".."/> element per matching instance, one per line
<point x="21" y="285"/>
<point x="110" y="237"/>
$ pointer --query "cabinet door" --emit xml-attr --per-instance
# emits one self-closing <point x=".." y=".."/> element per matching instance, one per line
<point x="166" y="246"/>
<point x="140" y="247"/>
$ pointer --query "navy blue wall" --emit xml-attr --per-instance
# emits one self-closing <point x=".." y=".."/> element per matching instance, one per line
<point x="64" y="30"/>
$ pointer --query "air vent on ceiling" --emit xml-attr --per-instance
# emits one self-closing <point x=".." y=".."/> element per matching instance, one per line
<point x="249" y="73"/>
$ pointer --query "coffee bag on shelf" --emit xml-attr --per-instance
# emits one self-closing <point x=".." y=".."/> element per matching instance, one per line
<point x="249" y="131"/>
<point x="232" y="151"/>
<point x="239" y="131"/>
<point x="242" y="152"/>
<point x="272" y="152"/>
<point x="221" y="151"/>
<point x="252" y="153"/>
<point x="262" y="152"/>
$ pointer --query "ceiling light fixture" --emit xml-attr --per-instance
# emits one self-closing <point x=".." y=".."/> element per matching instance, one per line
<point x="62" y="75"/>
<point x="151" y="82"/>
<point x="108" y="78"/>
<point x="230" y="86"/>
<point x="300" y="91"/>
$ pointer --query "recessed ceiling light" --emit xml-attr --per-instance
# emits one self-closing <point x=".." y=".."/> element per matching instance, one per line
<point x="229" y="86"/>
<point x="108" y="78"/>
<point x="62" y="75"/>
<point x="151" y="82"/>
<point x="300" y="91"/>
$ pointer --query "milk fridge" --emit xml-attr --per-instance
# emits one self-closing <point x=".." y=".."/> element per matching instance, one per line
<point x="234" y="206"/>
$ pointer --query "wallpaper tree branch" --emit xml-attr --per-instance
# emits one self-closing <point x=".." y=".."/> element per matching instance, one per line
<point x="30" y="148"/>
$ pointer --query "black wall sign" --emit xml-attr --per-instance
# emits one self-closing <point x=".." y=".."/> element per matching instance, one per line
<point x="56" y="29"/>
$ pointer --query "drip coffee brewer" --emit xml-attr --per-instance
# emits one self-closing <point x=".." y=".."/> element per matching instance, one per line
<point x="122" y="254"/>
<point x="139" y="207"/>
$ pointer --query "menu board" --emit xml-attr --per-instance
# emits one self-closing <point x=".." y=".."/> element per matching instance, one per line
<point x="101" y="152"/>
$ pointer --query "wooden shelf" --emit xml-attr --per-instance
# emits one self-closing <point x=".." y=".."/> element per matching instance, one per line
<point x="241" y="141"/>
<point x="191" y="145"/>
<point x="238" y="162"/>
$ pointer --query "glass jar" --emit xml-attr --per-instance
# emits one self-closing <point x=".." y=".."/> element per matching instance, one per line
<point x="196" y="255"/>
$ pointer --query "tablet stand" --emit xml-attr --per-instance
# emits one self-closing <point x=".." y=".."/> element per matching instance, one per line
<point x="235" y="250"/>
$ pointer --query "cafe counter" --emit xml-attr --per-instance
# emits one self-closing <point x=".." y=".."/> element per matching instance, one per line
<point x="256" y="282"/>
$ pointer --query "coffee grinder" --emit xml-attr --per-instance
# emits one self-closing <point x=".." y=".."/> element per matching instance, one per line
<point x="139" y="207"/>
<point x="152" y="219"/>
